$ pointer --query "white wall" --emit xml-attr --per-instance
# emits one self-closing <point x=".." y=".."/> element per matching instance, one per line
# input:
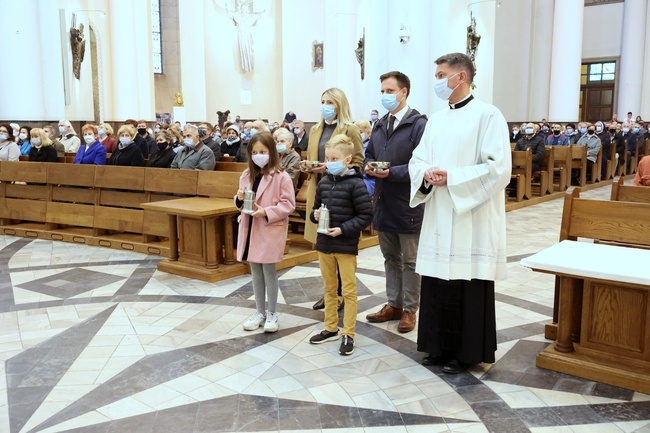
<point x="602" y="31"/>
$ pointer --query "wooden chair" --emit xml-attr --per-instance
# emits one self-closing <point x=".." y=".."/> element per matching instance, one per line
<point x="562" y="170"/>
<point x="579" y="162"/>
<point x="522" y="172"/>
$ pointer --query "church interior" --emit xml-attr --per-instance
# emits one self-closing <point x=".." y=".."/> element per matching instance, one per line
<point x="122" y="298"/>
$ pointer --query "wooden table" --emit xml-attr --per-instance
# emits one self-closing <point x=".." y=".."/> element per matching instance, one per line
<point x="199" y="228"/>
<point x="604" y="312"/>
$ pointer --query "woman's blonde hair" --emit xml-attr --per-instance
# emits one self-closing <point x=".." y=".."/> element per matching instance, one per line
<point x="341" y="105"/>
<point x="129" y="129"/>
<point x="45" y="140"/>
<point x="107" y="128"/>
<point x="363" y="125"/>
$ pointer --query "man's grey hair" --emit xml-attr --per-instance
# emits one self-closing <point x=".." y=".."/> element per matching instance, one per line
<point x="191" y="128"/>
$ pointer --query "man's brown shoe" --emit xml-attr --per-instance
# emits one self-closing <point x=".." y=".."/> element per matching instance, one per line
<point x="385" y="314"/>
<point x="407" y="324"/>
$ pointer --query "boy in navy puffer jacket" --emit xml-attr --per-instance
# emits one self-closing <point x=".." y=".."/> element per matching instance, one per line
<point x="344" y="193"/>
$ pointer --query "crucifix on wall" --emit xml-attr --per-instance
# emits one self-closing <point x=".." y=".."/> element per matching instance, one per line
<point x="244" y="18"/>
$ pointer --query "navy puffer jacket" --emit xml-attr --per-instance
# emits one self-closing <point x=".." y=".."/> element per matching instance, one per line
<point x="348" y="202"/>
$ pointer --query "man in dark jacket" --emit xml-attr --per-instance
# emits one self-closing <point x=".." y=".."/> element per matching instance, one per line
<point x="536" y="142"/>
<point x="392" y="140"/>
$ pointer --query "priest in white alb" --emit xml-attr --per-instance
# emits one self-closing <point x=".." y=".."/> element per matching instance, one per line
<point x="460" y="171"/>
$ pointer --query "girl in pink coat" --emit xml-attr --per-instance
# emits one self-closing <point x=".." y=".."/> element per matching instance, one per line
<point x="263" y="233"/>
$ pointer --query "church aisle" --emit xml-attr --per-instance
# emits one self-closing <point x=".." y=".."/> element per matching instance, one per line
<point x="97" y="340"/>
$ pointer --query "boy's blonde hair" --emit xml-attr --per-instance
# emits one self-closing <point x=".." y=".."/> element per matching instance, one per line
<point x="342" y="143"/>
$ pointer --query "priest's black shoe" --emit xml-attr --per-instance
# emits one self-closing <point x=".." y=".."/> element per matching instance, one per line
<point x="432" y="360"/>
<point x="452" y="367"/>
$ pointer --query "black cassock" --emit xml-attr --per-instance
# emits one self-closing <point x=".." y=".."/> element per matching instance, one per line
<point x="458" y="320"/>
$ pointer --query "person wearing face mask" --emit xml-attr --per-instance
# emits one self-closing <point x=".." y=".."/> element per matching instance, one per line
<point x="535" y="141"/>
<point x="628" y="135"/>
<point x="127" y="153"/>
<point x="336" y="118"/>
<point x="394" y="138"/>
<point x="106" y="139"/>
<point x="544" y="130"/>
<point x="591" y="140"/>
<point x="374" y="118"/>
<point x="516" y="134"/>
<point x="165" y="154"/>
<point x="301" y="136"/>
<point x="289" y="158"/>
<point x="42" y="150"/>
<point x="556" y="138"/>
<point x="23" y="140"/>
<point x="231" y="145"/>
<point x="9" y="150"/>
<point x="50" y="132"/>
<point x="459" y="171"/>
<point x="91" y="152"/>
<point x="68" y="137"/>
<point x="614" y="137"/>
<point x="205" y="135"/>
<point x="572" y="134"/>
<point x="262" y="234"/>
<point x="343" y="192"/>
<point x="195" y="155"/>
<point x="143" y="132"/>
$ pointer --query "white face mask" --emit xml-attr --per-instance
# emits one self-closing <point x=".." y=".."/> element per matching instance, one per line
<point x="61" y="129"/>
<point x="89" y="138"/>
<point x="22" y="136"/>
<point x="36" y="142"/>
<point x="442" y="89"/>
<point x="260" y="160"/>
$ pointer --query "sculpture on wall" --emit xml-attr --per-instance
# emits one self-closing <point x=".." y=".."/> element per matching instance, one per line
<point x="244" y="19"/>
<point x="78" y="46"/>
<point x="178" y="102"/>
<point x="473" y="40"/>
<point x="360" y="52"/>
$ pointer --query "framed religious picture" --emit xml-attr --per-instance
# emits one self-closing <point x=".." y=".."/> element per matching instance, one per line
<point x="317" y="55"/>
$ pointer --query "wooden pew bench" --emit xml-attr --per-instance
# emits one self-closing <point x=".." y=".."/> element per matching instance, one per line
<point x="522" y="173"/>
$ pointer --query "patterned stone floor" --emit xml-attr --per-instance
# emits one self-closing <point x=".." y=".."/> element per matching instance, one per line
<point x="96" y="340"/>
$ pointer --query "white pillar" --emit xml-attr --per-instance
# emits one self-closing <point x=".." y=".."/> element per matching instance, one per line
<point x="192" y="64"/>
<point x="485" y="14"/>
<point x="51" y="87"/>
<point x="644" y="112"/>
<point x="631" y="70"/>
<point x="540" y="58"/>
<point x="377" y="23"/>
<point x="564" y="95"/>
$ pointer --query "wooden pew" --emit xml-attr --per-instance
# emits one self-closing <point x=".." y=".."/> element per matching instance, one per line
<point x="621" y="168"/>
<point x="543" y="178"/>
<point x="611" y="162"/>
<point x="230" y="166"/>
<point x="522" y="172"/>
<point x="23" y="193"/>
<point x="631" y="193"/>
<point x="596" y="168"/>
<point x="579" y="162"/>
<point x="562" y="171"/>
<point x="603" y="324"/>
<point x="634" y="158"/>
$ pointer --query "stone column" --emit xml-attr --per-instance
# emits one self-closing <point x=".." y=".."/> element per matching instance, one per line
<point x="631" y="70"/>
<point x="539" y="58"/>
<point x="565" y="60"/>
<point x="485" y="15"/>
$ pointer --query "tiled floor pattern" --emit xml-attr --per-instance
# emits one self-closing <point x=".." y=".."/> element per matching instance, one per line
<point x="96" y="340"/>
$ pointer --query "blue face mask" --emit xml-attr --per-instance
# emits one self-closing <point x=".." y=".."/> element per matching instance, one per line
<point x="582" y="130"/>
<point x="569" y="131"/>
<point x="389" y="101"/>
<point x="529" y="131"/>
<point x="327" y="111"/>
<point x="253" y="132"/>
<point x="282" y="148"/>
<point x="635" y="130"/>
<point x="189" y="143"/>
<point x="373" y="117"/>
<point x="335" y="167"/>
<point x="363" y="137"/>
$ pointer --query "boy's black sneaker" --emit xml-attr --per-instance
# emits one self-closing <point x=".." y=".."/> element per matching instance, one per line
<point x="324" y="336"/>
<point x="347" y="345"/>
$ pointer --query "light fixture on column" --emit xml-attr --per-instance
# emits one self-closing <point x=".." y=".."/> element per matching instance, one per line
<point x="404" y="33"/>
